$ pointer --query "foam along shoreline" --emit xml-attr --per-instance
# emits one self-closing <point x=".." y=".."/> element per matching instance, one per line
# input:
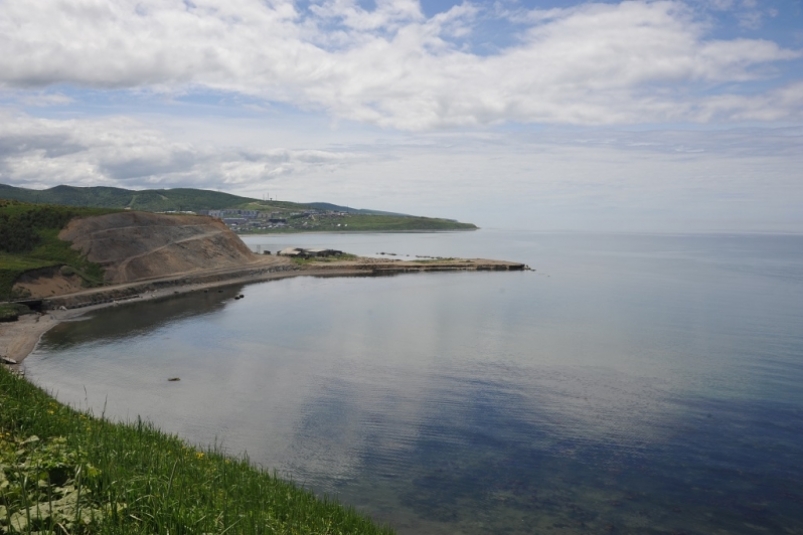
<point x="18" y="339"/>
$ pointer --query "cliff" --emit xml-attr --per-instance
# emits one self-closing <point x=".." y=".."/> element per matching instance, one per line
<point x="132" y="246"/>
<point x="132" y="253"/>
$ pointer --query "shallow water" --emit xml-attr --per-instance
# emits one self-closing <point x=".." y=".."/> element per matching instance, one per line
<point x="632" y="384"/>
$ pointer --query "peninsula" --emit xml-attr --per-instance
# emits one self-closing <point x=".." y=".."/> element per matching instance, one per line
<point x="58" y="262"/>
<point x="65" y="261"/>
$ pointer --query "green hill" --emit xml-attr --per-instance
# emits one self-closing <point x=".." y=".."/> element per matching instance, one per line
<point x="297" y="217"/>
<point x="151" y="200"/>
<point x="348" y="209"/>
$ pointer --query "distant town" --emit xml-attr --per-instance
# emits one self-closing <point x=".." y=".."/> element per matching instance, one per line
<point x="253" y="220"/>
<point x="244" y="215"/>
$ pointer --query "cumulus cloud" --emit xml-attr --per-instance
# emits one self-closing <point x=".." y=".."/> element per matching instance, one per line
<point x="631" y="62"/>
<point x="571" y="178"/>
<point x="558" y="177"/>
<point x="122" y="152"/>
<point x="43" y="99"/>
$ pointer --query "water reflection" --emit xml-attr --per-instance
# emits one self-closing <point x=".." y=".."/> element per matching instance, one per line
<point x="650" y="387"/>
<point x="480" y="456"/>
<point x="137" y="318"/>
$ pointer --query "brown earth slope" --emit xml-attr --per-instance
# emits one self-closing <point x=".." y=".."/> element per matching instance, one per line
<point x="144" y="252"/>
<point x="133" y="246"/>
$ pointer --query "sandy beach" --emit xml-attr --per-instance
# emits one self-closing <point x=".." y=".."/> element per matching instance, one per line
<point x="19" y="338"/>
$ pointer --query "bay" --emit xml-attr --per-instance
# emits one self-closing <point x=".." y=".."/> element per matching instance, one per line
<point x="632" y="383"/>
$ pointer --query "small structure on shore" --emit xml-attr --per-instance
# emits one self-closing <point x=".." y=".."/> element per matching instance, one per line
<point x="299" y="252"/>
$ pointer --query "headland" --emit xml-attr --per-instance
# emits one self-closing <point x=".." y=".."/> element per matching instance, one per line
<point x="152" y="256"/>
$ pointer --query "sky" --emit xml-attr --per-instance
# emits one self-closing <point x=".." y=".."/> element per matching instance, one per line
<point x="637" y="116"/>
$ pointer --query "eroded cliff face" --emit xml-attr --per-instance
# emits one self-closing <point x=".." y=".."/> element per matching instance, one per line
<point x="133" y="246"/>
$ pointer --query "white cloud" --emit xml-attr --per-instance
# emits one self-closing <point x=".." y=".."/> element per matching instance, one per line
<point x="632" y="62"/>
<point x="388" y="15"/>
<point x="43" y="99"/>
<point x="397" y="87"/>
<point x="122" y="152"/>
<point x="559" y="178"/>
<point x="681" y="181"/>
<point x="785" y="104"/>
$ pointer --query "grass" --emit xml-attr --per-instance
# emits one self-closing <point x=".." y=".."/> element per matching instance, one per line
<point x="106" y="197"/>
<point x="397" y="223"/>
<point x="65" y="472"/>
<point x="196" y="199"/>
<point x="48" y="250"/>
<point x="14" y="265"/>
<point x="12" y="311"/>
<point x="366" y="223"/>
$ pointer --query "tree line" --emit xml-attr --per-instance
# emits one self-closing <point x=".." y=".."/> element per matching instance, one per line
<point x="19" y="224"/>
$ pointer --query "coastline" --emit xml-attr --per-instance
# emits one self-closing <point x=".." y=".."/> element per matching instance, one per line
<point x="18" y="339"/>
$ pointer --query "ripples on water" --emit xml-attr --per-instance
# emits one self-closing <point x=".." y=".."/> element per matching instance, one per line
<point x="633" y="384"/>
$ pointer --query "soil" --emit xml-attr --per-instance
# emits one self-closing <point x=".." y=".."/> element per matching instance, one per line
<point x="133" y="246"/>
<point x="47" y="282"/>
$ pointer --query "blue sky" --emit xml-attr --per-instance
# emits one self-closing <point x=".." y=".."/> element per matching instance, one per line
<point x="669" y="116"/>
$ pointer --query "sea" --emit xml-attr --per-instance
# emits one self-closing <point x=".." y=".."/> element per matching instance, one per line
<point x="629" y="383"/>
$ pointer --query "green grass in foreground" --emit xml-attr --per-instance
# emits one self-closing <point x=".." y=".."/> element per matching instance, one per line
<point x="62" y="472"/>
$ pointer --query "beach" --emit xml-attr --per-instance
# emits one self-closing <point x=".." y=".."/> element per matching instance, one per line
<point x="19" y="338"/>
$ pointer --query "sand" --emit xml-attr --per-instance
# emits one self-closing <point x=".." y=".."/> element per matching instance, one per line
<point x="19" y="338"/>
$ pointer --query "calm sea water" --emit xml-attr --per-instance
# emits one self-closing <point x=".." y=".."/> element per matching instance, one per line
<point x="632" y="384"/>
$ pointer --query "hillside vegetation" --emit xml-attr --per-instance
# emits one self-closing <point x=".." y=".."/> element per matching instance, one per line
<point x="298" y="217"/>
<point x="156" y="200"/>
<point x="362" y="223"/>
<point x="64" y="472"/>
<point x="160" y="200"/>
<point x="29" y="240"/>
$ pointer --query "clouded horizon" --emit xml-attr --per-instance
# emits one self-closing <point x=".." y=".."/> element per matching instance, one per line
<point x="641" y="115"/>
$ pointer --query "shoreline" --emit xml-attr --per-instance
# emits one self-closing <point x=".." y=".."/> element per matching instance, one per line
<point x="18" y="339"/>
<point x="412" y="231"/>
